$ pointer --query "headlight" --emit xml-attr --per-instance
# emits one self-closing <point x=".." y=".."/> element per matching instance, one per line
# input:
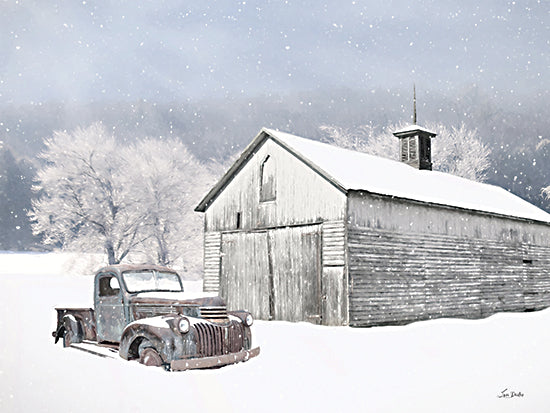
<point x="184" y="325"/>
<point x="249" y="320"/>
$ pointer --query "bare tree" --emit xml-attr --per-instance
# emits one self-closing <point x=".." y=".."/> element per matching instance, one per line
<point x="455" y="150"/>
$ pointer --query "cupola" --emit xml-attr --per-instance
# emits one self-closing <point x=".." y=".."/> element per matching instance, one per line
<point x="415" y="144"/>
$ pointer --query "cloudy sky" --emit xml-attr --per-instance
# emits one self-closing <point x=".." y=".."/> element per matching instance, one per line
<point x="86" y="50"/>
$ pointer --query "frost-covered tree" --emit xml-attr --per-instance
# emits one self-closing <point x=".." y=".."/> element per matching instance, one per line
<point x="455" y="150"/>
<point x="365" y="138"/>
<point x="134" y="200"/>
<point x="171" y="182"/>
<point x="543" y="146"/>
<point x="85" y="199"/>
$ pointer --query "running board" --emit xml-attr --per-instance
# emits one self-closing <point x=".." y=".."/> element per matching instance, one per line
<point x="96" y="349"/>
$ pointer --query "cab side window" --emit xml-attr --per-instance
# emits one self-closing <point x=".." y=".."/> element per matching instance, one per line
<point x="108" y="286"/>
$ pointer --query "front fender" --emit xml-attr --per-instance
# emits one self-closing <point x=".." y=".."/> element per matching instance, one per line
<point x="160" y="332"/>
<point x="241" y="316"/>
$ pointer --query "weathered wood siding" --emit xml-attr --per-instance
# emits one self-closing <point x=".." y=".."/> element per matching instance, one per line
<point x="334" y="240"/>
<point x="302" y="195"/>
<point x="402" y="216"/>
<point x="303" y="266"/>
<point x="212" y="249"/>
<point x="334" y="276"/>
<point x="293" y="246"/>
<point x="245" y="273"/>
<point x="296" y="260"/>
<point x="275" y="274"/>
<point x="410" y="262"/>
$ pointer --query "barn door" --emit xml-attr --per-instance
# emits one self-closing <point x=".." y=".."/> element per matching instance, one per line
<point x="275" y="274"/>
<point x="244" y="282"/>
<point x="296" y="260"/>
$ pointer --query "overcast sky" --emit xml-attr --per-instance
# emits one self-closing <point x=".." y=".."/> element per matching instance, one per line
<point x="178" y="50"/>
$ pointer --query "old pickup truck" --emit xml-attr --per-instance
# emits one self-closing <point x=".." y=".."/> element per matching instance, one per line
<point x="142" y="312"/>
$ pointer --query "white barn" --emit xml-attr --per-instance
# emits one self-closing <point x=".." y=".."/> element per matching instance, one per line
<point x="300" y="230"/>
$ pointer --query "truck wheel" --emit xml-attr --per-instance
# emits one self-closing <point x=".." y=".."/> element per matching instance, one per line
<point x="150" y="357"/>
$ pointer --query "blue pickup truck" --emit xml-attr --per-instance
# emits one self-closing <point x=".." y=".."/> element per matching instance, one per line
<point x="142" y="313"/>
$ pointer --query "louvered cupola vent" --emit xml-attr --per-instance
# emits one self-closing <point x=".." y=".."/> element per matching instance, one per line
<point x="415" y="146"/>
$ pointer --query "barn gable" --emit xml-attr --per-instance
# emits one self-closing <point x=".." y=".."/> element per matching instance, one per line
<point x="292" y="182"/>
<point x="250" y="151"/>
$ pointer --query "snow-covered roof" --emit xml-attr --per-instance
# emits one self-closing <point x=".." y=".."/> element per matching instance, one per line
<point x="352" y="170"/>
<point x="412" y="128"/>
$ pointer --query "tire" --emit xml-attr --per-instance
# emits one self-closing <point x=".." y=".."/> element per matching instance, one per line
<point x="148" y="355"/>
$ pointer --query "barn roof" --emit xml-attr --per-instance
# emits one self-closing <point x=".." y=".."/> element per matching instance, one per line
<point x="351" y="170"/>
<point x="413" y="128"/>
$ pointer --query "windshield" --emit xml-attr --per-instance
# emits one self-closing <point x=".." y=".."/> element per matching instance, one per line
<point x="139" y="281"/>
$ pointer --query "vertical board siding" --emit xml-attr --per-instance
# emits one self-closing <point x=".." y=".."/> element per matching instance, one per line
<point x="211" y="278"/>
<point x="245" y="273"/>
<point x="301" y="195"/>
<point x="334" y="285"/>
<point x="334" y="299"/>
<point x="274" y="253"/>
<point x="296" y="273"/>
<point x="274" y="274"/>
<point x="400" y="278"/>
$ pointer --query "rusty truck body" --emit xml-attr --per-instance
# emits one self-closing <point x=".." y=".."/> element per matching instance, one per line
<point x="142" y="312"/>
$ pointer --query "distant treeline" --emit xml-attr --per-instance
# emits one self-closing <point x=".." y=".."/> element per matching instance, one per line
<point x="516" y="131"/>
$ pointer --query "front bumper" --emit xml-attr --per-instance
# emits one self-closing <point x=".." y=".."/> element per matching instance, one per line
<point x="214" y="361"/>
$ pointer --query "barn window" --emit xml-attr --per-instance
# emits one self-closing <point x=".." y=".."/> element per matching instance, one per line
<point x="268" y="190"/>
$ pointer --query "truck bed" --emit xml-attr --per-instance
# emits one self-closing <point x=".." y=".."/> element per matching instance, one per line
<point x="85" y="317"/>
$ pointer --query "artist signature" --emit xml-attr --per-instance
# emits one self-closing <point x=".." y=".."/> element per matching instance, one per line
<point x="509" y="394"/>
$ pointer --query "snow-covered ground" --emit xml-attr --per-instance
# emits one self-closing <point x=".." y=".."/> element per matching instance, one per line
<point x="434" y="366"/>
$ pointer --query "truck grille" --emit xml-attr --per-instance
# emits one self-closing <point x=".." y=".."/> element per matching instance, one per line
<point x="213" y="340"/>
<point x="214" y="313"/>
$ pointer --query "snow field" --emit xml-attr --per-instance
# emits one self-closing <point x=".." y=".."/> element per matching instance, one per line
<point x="435" y="366"/>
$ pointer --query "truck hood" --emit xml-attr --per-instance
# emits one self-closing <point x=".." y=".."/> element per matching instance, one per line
<point x="177" y="298"/>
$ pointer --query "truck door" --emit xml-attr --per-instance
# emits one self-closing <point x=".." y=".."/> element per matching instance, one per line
<point x="109" y="309"/>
